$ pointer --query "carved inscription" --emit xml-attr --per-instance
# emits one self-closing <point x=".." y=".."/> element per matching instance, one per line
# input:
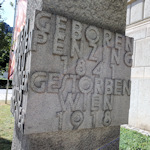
<point x="21" y="76"/>
<point x="60" y="35"/>
<point x="92" y="35"/>
<point x="90" y="77"/>
<point x="76" y="39"/>
<point x="76" y="118"/>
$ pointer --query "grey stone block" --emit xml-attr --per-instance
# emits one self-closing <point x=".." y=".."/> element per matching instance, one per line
<point x="137" y="72"/>
<point x="75" y="72"/>
<point x="109" y="14"/>
<point x="102" y="139"/>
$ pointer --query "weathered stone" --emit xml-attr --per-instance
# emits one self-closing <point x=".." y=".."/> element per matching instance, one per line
<point x="110" y="14"/>
<point x="100" y="138"/>
<point x="72" y="81"/>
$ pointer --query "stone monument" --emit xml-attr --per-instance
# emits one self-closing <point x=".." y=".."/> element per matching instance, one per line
<point x="72" y="76"/>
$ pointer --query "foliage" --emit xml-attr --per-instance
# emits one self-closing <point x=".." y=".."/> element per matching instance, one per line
<point x="5" y="44"/>
<point x="132" y="140"/>
<point x="6" y="126"/>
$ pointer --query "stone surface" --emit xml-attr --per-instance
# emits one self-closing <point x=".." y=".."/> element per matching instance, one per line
<point x="136" y="11"/>
<point x="102" y="139"/>
<point x="137" y="72"/>
<point x="146" y="9"/>
<point x="110" y="14"/>
<point x="78" y="79"/>
<point x="142" y="55"/>
<point x="140" y="76"/>
<point x="72" y="79"/>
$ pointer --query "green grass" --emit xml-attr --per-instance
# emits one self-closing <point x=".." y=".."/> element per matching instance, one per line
<point x="6" y="126"/>
<point x="129" y="140"/>
<point x="132" y="140"/>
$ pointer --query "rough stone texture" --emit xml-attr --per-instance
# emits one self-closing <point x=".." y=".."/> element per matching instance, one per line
<point x="102" y="139"/>
<point x="72" y="79"/>
<point x="109" y="14"/>
<point x="32" y="5"/>
<point x="87" y="77"/>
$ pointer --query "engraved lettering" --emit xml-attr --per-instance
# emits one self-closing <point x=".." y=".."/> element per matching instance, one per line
<point x="38" y="82"/>
<point x="115" y="56"/>
<point x="69" y="101"/>
<point x="60" y="120"/>
<point x="129" y="44"/>
<point x="76" y="119"/>
<point x="39" y="37"/>
<point x="65" y="60"/>
<point x="74" y="78"/>
<point x="76" y="38"/>
<point x="107" y="118"/>
<point x="53" y="83"/>
<point x="81" y="67"/>
<point x="95" y="102"/>
<point x="60" y="34"/>
<point x="42" y="21"/>
<point x="92" y="35"/>
<point x="98" y="89"/>
<point x="119" y="41"/>
<point x="107" y="102"/>
<point x="126" y="87"/>
<point x="93" y="114"/>
<point x="98" y="69"/>
<point x="128" y="59"/>
<point x="118" y="87"/>
<point x="107" y="38"/>
<point x="108" y="86"/>
<point x="85" y="85"/>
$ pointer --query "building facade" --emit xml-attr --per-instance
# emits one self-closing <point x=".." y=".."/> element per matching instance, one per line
<point x="138" y="27"/>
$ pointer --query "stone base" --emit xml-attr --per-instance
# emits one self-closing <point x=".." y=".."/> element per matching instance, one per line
<point x="101" y="138"/>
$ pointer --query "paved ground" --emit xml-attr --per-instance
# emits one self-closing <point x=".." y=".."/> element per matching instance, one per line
<point x="3" y="94"/>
